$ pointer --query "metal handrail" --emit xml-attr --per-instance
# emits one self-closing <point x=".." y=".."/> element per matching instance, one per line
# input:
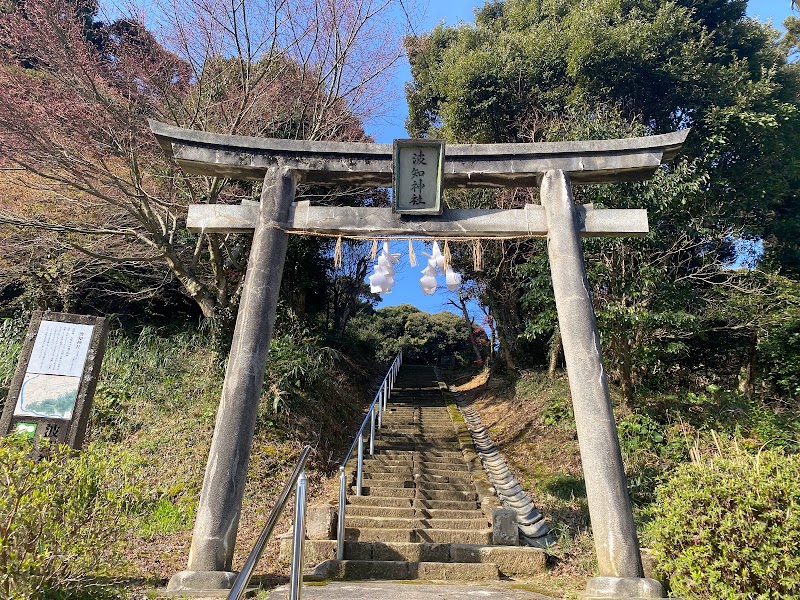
<point x="381" y="398"/>
<point x="298" y="476"/>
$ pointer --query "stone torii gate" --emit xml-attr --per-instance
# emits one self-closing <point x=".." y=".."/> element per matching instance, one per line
<point x="555" y="167"/>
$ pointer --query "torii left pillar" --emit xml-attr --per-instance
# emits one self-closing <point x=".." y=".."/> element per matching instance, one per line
<point x="217" y="519"/>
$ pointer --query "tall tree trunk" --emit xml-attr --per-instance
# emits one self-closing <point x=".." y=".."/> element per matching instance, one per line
<point x="492" y="329"/>
<point x="506" y="351"/>
<point x="747" y="384"/>
<point x="463" y="306"/>
<point x="555" y="353"/>
<point x="625" y="372"/>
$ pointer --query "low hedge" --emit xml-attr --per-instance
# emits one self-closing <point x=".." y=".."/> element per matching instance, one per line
<point x="729" y="528"/>
<point x="61" y="519"/>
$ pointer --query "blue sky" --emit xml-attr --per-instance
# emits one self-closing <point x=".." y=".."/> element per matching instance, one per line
<point x="407" y="289"/>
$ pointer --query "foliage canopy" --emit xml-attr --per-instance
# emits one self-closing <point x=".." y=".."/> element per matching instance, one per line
<point x="548" y="70"/>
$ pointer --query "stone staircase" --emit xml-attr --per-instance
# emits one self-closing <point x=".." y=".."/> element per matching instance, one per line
<point x="419" y="515"/>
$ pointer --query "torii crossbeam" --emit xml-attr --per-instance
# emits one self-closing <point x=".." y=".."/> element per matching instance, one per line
<point x="554" y="167"/>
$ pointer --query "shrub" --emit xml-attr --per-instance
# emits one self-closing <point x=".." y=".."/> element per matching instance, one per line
<point x="58" y="522"/>
<point x="727" y="528"/>
<point x="298" y="363"/>
<point x="423" y="337"/>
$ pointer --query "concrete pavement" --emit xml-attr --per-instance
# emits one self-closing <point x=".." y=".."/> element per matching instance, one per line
<point x="389" y="590"/>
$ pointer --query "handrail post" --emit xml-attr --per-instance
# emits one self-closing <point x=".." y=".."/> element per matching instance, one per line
<point x="384" y="395"/>
<point x="372" y="432"/>
<point x="342" y="504"/>
<point x="360" y="469"/>
<point x="296" y="576"/>
<point x="380" y="411"/>
<point x="239" y="587"/>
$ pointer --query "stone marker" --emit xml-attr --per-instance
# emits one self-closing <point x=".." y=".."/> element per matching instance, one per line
<point x="51" y="393"/>
<point x="321" y="521"/>
<point x="504" y="527"/>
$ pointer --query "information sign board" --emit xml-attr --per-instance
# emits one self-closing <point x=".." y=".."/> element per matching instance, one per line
<point x="53" y="386"/>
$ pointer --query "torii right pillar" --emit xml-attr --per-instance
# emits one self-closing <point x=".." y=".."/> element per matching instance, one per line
<point x="616" y="544"/>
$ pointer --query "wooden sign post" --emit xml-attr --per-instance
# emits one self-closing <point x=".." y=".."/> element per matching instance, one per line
<point x="553" y="167"/>
<point x="51" y="393"/>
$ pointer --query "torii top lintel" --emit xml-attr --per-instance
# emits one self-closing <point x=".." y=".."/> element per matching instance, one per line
<point x="466" y="165"/>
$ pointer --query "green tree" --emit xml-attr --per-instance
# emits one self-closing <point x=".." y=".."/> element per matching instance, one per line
<point x="543" y="70"/>
<point x="423" y="337"/>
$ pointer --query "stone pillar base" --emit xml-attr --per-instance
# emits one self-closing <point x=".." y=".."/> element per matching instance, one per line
<point x="198" y="581"/>
<point x="622" y="588"/>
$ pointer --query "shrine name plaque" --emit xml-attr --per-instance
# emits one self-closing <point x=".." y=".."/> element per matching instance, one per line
<point x="51" y="393"/>
<point x="417" y="172"/>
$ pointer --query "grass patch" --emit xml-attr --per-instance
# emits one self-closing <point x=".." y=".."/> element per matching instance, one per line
<point x="154" y="413"/>
<point x="531" y="422"/>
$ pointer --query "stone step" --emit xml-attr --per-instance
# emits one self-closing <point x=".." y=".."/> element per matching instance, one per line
<point x="391" y="502"/>
<point x="431" y="406"/>
<point x="417" y="445"/>
<point x="402" y="570"/>
<point x="381" y="445"/>
<point x="356" y="521"/>
<point x="439" y="469"/>
<point x="434" y="417"/>
<point x="387" y="466"/>
<point x="417" y="437"/>
<point x="380" y="501"/>
<point x="410" y="475"/>
<point x="511" y="560"/>
<point x="422" y="454"/>
<point x="438" y="412"/>
<point x="387" y="492"/>
<point x="423" y="494"/>
<point x="433" y="464"/>
<point x="409" y="512"/>
<point x="420" y="484"/>
<point x="434" y="536"/>
<point x="424" y="480"/>
<point x="403" y="425"/>
<point x="379" y="534"/>
<point x="406" y="427"/>
<point x="421" y="432"/>
<point x="390" y="465"/>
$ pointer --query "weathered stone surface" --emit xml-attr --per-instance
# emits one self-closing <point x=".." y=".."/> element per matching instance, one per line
<point x="165" y="594"/>
<point x="314" y="551"/>
<point x="510" y="560"/>
<point x="515" y="165"/>
<point x="195" y="581"/>
<point x="504" y="527"/>
<point x="528" y="221"/>
<point x="321" y="521"/>
<point x="220" y="502"/>
<point x="450" y="536"/>
<point x="636" y="588"/>
<point x="401" y="570"/>
<point x="649" y="563"/>
<point x="380" y="535"/>
<point x="613" y="529"/>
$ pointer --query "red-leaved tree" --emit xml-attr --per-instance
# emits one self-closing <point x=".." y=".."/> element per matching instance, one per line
<point x="77" y="93"/>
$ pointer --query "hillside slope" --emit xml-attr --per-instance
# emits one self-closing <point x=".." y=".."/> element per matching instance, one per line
<point x="154" y="413"/>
